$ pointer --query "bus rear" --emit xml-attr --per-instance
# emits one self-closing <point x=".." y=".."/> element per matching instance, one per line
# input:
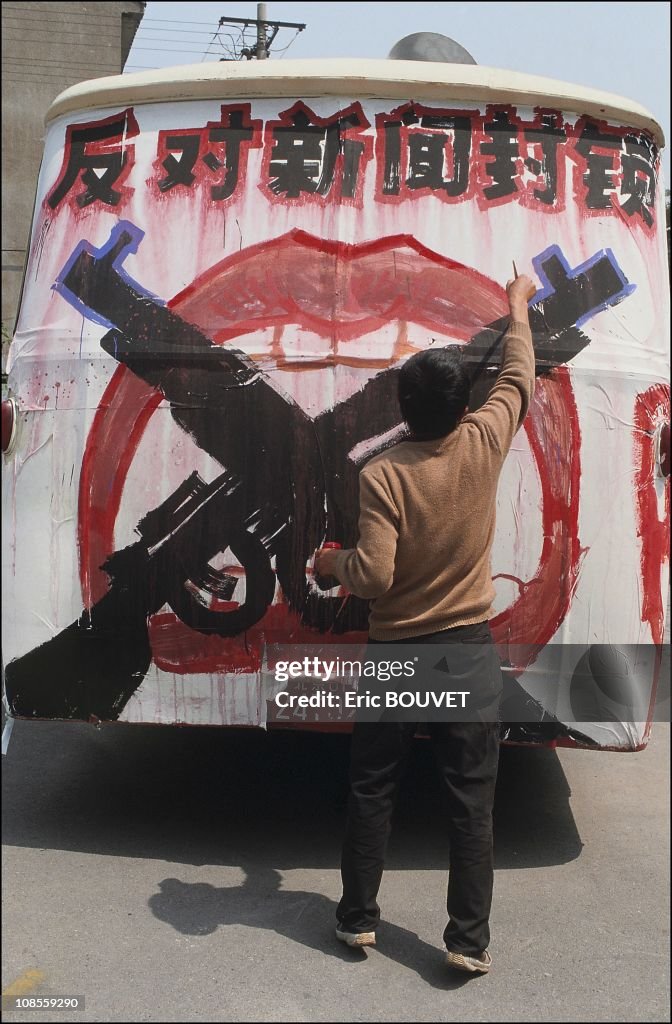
<point x="228" y="266"/>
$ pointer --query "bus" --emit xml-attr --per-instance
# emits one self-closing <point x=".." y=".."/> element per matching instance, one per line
<point x="228" y="264"/>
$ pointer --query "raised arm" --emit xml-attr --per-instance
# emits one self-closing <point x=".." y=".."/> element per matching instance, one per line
<point x="503" y="413"/>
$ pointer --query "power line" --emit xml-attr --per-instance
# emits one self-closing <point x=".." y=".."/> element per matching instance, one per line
<point x="284" y="50"/>
<point x="79" y="74"/>
<point x="156" y="44"/>
<point x="68" y="35"/>
<point x="46" y="15"/>
<point x="49" y="76"/>
<point x="261" y="48"/>
<point x="36" y="65"/>
<point x="209" y="45"/>
<point x="182" y="31"/>
<point x="155" y="49"/>
<point x="81" y="15"/>
<point x="169" y="21"/>
<point x="151" y="49"/>
<point x="65" y="30"/>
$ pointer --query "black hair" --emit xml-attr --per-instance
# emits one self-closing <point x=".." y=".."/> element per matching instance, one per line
<point x="434" y="389"/>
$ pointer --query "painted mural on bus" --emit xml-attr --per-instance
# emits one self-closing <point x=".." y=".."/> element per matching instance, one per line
<point x="218" y="299"/>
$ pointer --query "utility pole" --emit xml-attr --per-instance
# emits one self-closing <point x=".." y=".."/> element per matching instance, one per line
<point x="266" y="33"/>
<point x="262" y="52"/>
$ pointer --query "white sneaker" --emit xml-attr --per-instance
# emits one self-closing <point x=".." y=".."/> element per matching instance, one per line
<point x="474" y="964"/>
<point x="356" y="938"/>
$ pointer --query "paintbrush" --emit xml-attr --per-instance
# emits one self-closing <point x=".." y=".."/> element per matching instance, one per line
<point x="541" y="308"/>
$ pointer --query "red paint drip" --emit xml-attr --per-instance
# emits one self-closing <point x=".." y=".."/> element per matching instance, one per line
<point x="652" y="408"/>
<point x="552" y="428"/>
<point x="124" y="411"/>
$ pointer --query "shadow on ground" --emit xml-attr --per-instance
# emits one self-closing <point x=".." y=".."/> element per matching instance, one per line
<point x="306" y="918"/>
<point x="243" y="797"/>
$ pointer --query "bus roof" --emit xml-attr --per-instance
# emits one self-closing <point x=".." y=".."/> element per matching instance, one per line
<point x="355" y="78"/>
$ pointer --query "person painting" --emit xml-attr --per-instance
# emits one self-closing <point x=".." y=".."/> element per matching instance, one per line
<point x="426" y="528"/>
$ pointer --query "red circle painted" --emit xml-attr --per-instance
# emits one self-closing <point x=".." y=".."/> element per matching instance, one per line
<point x="551" y="426"/>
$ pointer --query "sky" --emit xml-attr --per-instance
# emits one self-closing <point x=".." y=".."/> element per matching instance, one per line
<point x="616" y="47"/>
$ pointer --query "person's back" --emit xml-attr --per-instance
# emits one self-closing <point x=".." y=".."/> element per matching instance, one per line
<point x="427" y="506"/>
<point x="426" y="527"/>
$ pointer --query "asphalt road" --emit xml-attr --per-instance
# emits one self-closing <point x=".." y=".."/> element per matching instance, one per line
<point x="192" y="875"/>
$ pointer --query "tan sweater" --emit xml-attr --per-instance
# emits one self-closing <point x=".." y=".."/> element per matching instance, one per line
<point x="427" y="514"/>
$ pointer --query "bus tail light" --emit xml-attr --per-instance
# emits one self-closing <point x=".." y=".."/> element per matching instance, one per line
<point x="8" y="424"/>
